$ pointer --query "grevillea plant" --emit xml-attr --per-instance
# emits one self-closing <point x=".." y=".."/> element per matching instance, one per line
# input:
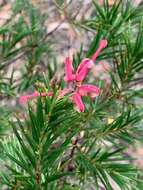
<point x="74" y="81"/>
<point x="84" y="132"/>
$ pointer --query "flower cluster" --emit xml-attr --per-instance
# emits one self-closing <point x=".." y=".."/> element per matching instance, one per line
<point x="74" y="79"/>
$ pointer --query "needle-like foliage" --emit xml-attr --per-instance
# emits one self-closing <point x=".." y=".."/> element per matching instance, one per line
<point x="47" y="144"/>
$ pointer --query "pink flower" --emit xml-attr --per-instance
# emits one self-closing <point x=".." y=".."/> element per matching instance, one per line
<point x="76" y="98"/>
<point x="83" y="69"/>
<point x="69" y="76"/>
<point x="91" y="90"/>
<point x="24" y="99"/>
<point x="74" y="80"/>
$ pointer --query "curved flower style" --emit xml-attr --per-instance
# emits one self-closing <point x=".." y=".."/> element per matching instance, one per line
<point x="74" y="80"/>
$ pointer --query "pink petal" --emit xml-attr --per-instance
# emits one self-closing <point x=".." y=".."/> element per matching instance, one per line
<point x="35" y="94"/>
<point x="76" y="98"/>
<point x="47" y="94"/>
<point x="83" y="69"/>
<point x="23" y="99"/>
<point x="43" y="94"/>
<point x="92" y="90"/>
<point x="69" y="76"/>
<point x="82" y="64"/>
<point x="102" y="45"/>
